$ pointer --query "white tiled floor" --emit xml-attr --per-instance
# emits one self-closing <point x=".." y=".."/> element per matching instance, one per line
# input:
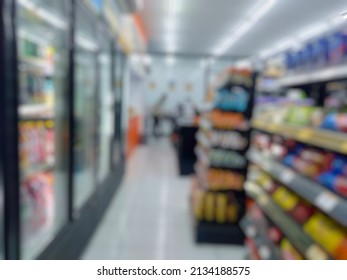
<point x="150" y="217"/>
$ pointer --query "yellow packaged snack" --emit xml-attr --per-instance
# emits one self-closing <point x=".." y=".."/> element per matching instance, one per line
<point x="209" y="207"/>
<point x="232" y="211"/>
<point x="325" y="231"/>
<point x="285" y="199"/>
<point x="221" y="208"/>
<point x="198" y="197"/>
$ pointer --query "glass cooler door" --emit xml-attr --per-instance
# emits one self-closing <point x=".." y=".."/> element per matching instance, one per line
<point x="107" y="101"/>
<point x="2" y="240"/>
<point x="85" y="109"/>
<point x="42" y="36"/>
<point x="118" y="88"/>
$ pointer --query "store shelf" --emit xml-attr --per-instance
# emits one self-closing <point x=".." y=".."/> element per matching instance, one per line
<point x="329" y="202"/>
<point x="35" y="111"/>
<point x="322" y="75"/>
<point x="201" y="176"/>
<point x="205" y="124"/>
<point x="268" y="89"/>
<point x="201" y="155"/>
<point x="219" y="233"/>
<point x="290" y="228"/>
<point x="206" y="107"/>
<point x="28" y="172"/>
<point x="266" y="248"/>
<point x="253" y="249"/>
<point x="202" y="138"/>
<point x="334" y="141"/>
<point x="36" y="62"/>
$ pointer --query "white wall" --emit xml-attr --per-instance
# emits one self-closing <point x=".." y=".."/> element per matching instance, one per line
<point x="141" y="96"/>
<point x="182" y="72"/>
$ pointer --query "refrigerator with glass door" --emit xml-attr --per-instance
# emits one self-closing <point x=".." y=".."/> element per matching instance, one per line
<point x="42" y="32"/>
<point x="85" y="107"/>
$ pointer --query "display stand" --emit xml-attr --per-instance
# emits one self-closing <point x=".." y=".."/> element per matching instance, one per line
<point x="223" y="139"/>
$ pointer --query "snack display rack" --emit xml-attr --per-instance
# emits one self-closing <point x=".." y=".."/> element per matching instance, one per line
<point x="218" y="197"/>
<point x="297" y="177"/>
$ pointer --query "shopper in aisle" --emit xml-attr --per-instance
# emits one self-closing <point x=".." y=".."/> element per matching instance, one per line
<point x="157" y="114"/>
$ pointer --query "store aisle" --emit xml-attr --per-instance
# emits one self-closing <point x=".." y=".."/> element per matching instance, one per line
<point x="150" y="217"/>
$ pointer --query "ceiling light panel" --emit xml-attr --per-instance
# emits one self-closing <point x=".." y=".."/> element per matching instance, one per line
<point x="255" y="14"/>
<point x="284" y="21"/>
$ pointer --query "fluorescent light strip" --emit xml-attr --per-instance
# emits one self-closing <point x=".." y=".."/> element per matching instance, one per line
<point x="43" y="14"/>
<point x="171" y="25"/>
<point x="257" y="12"/>
<point x="173" y="7"/>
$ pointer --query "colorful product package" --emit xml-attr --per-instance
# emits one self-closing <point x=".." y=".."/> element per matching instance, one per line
<point x="326" y="232"/>
<point x="288" y="251"/>
<point x="335" y="182"/>
<point x="336" y="48"/>
<point x="320" y="52"/>
<point x="336" y="122"/>
<point x="285" y="199"/>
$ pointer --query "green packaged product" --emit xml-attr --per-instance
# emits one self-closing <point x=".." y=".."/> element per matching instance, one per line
<point x="301" y="115"/>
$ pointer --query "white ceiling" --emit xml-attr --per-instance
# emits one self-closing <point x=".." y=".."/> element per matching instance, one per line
<point x="203" y="24"/>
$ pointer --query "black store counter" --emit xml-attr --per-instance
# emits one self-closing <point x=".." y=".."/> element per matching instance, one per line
<point x="185" y="145"/>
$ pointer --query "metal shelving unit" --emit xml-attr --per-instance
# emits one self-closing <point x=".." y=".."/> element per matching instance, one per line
<point x="329" y="202"/>
<point x="322" y="75"/>
<point x="266" y="248"/>
<point x="331" y="140"/>
<point x="290" y="228"/>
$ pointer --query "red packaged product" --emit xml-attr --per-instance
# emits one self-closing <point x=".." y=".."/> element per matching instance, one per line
<point x="302" y="212"/>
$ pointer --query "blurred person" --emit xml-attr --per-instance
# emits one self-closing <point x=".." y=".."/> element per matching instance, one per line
<point x="157" y="114"/>
<point x="186" y="111"/>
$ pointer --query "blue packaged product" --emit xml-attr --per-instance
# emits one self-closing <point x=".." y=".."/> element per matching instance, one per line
<point x="234" y="100"/>
<point x="334" y="182"/>
<point x="289" y="160"/>
<point x="300" y="59"/>
<point x="330" y="122"/>
<point x="296" y="60"/>
<point x="336" y="48"/>
<point x="344" y="39"/>
<point x="321" y="52"/>
<point x="308" y="55"/>
<point x="298" y="149"/>
<point x="339" y="165"/>
<point x="327" y="179"/>
<point x="289" y="61"/>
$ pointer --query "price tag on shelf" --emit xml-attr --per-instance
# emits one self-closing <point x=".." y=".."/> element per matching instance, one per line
<point x="343" y="147"/>
<point x="266" y="165"/>
<point x="263" y="199"/>
<point x="316" y="253"/>
<point x="326" y="201"/>
<point x="272" y="127"/>
<point x="264" y="252"/>
<point x="251" y="231"/>
<point x="305" y="134"/>
<point x="287" y="176"/>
